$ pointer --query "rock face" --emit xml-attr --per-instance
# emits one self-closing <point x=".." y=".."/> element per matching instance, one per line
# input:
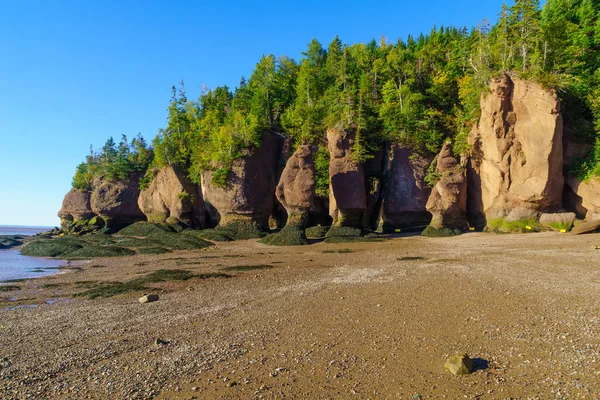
<point x="347" y="194"/>
<point x="374" y="172"/>
<point x="516" y="166"/>
<point x="448" y="200"/>
<point x="296" y="188"/>
<point x="249" y="193"/>
<point x="406" y="193"/>
<point x="117" y="201"/>
<point x="589" y="193"/>
<point x="75" y="206"/>
<point x="172" y="196"/>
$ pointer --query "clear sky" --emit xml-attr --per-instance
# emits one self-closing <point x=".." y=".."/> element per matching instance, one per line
<point x="73" y="73"/>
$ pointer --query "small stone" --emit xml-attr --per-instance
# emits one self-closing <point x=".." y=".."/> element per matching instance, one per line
<point x="195" y="389"/>
<point x="160" y="342"/>
<point x="459" y="364"/>
<point x="149" y="298"/>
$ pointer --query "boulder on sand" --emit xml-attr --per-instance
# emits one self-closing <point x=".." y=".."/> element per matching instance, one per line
<point x="557" y="221"/>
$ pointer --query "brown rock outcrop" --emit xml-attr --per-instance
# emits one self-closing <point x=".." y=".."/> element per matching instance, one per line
<point x="406" y="193"/>
<point x="448" y="200"/>
<point x="249" y="193"/>
<point x="76" y="206"/>
<point x="171" y="195"/>
<point x="516" y="165"/>
<point x="296" y="188"/>
<point x="117" y="201"/>
<point x="347" y="194"/>
<point x="589" y="193"/>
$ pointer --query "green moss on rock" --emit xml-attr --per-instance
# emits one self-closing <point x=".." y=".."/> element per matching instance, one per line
<point x="440" y="232"/>
<point x="241" y="230"/>
<point x="177" y="241"/>
<point x="208" y="234"/>
<point x="9" y="241"/>
<point x="288" y="236"/>
<point x="316" y="232"/>
<point x="144" y="228"/>
<point x="344" y="234"/>
<point x="500" y="225"/>
<point x="152" y="250"/>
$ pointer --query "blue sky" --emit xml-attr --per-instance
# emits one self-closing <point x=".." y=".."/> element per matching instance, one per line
<point x="73" y="73"/>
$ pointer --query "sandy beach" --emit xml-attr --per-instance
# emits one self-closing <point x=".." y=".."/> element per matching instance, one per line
<point x="327" y="321"/>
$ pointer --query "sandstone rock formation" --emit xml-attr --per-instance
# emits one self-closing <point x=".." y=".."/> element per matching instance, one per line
<point x="589" y="193"/>
<point x="406" y="193"/>
<point x="516" y="164"/>
<point x="117" y="201"/>
<point x="296" y="192"/>
<point x="347" y="198"/>
<point x="247" y="198"/>
<point x="75" y="206"/>
<point x="448" y="200"/>
<point x="296" y="188"/>
<point x="171" y="196"/>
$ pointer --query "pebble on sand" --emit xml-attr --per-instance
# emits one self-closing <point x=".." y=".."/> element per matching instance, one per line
<point x="149" y="298"/>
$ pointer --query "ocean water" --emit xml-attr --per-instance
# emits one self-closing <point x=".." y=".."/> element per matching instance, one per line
<point x="15" y="266"/>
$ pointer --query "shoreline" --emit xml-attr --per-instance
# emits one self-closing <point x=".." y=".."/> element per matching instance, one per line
<point x="350" y="320"/>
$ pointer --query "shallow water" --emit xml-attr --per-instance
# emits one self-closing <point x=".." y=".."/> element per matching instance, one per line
<point x="15" y="266"/>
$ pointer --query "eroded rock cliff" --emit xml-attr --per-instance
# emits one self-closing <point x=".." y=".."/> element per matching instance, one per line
<point x="448" y="200"/>
<point x="516" y="164"/>
<point x="172" y="198"/>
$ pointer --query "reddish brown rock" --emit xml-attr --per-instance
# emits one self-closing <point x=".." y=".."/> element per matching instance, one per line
<point x="406" y="192"/>
<point x="171" y="195"/>
<point x="448" y="200"/>
<point x="76" y="206"/>
<point x="347" y="194"/>
<point x="296" y="188"/>
<point x="249" y="192"/>
<point x="516" y="165"/>
<point x="117" y="201"/>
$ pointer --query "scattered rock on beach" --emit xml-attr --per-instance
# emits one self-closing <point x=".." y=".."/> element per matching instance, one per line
<point x="149" y="298"/>
<point x="459" y="364"/>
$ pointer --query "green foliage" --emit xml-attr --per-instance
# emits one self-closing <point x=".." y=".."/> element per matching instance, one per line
<point x="220" y="177"/>
<point x="432" y="175"/>
<point x="114" y="162"/>
<point x="418" y="92"/>
<point x="183" y="195"/>
<point x="322" y="172"/>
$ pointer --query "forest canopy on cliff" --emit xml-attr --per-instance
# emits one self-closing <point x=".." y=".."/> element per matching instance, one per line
<point x="417" y="92"/>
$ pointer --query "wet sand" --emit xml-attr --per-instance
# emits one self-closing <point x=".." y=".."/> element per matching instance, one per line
<point x="357" y="320"/>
